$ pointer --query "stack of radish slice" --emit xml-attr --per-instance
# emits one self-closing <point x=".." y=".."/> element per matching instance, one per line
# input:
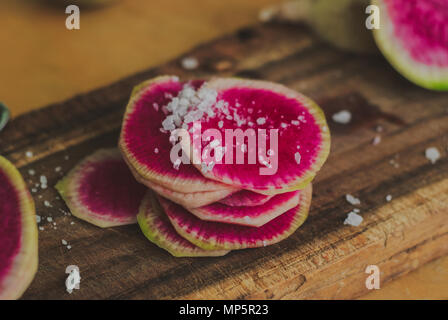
<point x="229" y="165"/>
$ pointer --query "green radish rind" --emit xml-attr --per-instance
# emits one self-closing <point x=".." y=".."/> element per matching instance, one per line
<point x="4" y="116"/>
<point x="211" y="243"/>
<point x="24" y="265"/>
<point x="429" y="77"/>
<point x="158" y="229"/>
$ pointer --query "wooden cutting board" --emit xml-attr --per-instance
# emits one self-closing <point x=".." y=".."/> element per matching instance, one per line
<point x="324" y="258"/>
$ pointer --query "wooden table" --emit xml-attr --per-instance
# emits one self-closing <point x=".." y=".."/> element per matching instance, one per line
<point x="45" y="63"/>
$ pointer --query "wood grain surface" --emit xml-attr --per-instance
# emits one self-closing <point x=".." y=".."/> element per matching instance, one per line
<point x="324" y="258"/>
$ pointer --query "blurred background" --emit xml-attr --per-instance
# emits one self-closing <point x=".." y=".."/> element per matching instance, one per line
<point x="42" y="62"/>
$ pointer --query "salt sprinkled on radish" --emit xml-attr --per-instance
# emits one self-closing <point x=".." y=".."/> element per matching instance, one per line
<point x="298" y="157"/>
<point x="156" y="150"/>
<point x="261" y="120"/>
<point x="342" y="117"/>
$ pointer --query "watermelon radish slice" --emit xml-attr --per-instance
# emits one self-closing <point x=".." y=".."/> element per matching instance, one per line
<point x="158" y="229"/>
<point x="245" y="198"/>
<point x="101" y="190"/>
<point x="146" y="147"/>
<point x="18" y="233"/>
<point x="413" y="36"/>
<point x="303" y="136"/>
<point x="193" y="199"/>
<point x="222" y="236"/>
<point x="255" y="216"/>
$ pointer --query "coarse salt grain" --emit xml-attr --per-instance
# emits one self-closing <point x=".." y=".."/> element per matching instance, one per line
<point x="432" y="154"/>
<point x="64" y="242"/>
<point x="297" y="157"/>
<point x="28" y="154"/>
<point x="376" y="140"/>
<point x="31" y="172"/>
<point x="342" y="117"/>
<point x="261" y="120"/>
<point x="389" y="198"/>
<point x="353" y="219"/>
<point x="352" y="200"/>
<point x="43" y="182"/>
<point x="190" y="63"/>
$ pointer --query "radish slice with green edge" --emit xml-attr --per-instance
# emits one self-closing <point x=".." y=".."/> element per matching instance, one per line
<point x="102" y="190"/>
<point x="413" y="38"/>
<point x="254" y="216"/>
<point x="157" y="228"/>
<point x="18" y="233"/>
<point x="222" y="236"/>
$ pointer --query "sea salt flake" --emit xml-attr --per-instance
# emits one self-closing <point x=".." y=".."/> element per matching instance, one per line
<point x="69" y="247"/>
<point x="43" y="182"/>
<point x="376" y="140"/>
<point x="353" y="219"/>
<point x="352" y="200"/>
<point x="31" y="172"/>
<point x="342" y="117"/>
<point x="57" y="169"/>
<point x="156" y="150"/>
<point x="47" y="204"/>
<point x="261" y="120"/>
<point x="28" y="154"/>
<point x="190" y="63"/>
<point x="297" y="157"/>
<point x="220" y="124"/>
<point x="389" y="198"/>
<point x="49" y="219"/>
<point x="38" y="219"/>
<point x="64" y="242"/>
<point x="432" y="154"/>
